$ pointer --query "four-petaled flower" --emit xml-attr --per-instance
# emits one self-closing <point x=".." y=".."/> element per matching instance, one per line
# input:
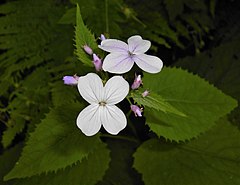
<point x="102" y="109"/>
<point x="123" y="56"/>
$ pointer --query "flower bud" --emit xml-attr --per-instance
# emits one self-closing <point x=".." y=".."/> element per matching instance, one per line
<point x="97" y="62"/>
<point x="70" y="80"/>
<point x="102" y="37"/>
<point x="145" y="93"/>
<point x="137" y="82"/>
<point x="88" y="50"/>
<point x="137" y="111"/>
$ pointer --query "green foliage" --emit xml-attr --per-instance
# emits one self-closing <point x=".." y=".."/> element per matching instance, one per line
<point x="202" y="104"/>
<point x="83" y="37"/>
<point x="55" y="139"/>
<point x="120" y="169"/>
<point x="220" y="66"/>
<point x="156" y="102"/>
<point x="212" y="159"/>
<point x="89" y="171"/>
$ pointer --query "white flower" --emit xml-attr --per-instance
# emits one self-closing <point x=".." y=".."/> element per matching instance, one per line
<point x="102" y="109"/>
<point x="123" y="56"/>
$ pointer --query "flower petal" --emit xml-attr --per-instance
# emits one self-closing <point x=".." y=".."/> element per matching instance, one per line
<point x="91" y="87"/>
<point x="148" y="63"/>
<point x="117" y="63"/>
<point x="114" y="45"/>
<point x="89" y="120"/>
<point x="115" y="90"/>
<point x="113" y="119"/>
<point x="137" y="45"/>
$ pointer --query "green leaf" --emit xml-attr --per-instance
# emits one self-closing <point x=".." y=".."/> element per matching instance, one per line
<point x="201" y="102"/>
<point x="214" y="158"/>
<point x="8" y="160"/>
<point x="157" y="102"/>
<point x="55" y="144"/>
<point x="83" y="37"/>
<point x="88" y="172"/>
<point x="221" y="67"/>
<point x="12" y="131"/>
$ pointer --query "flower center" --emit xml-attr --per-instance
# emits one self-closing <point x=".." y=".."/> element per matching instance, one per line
<point x="102" y="103"/>
<point x="130" y="53"/>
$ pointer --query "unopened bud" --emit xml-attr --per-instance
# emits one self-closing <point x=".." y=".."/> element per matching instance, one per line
<point x="97" y="62"/>
<point x="88" y="50"/>
<point x="137" y="82"/>
<point x="137" y="111"/>
<point x="102" y="37"/>
<point x="145" y="93"/>
<point x="70" y="80"/>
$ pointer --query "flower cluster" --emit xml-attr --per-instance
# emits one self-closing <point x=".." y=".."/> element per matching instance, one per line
<point x="102" y="110"/>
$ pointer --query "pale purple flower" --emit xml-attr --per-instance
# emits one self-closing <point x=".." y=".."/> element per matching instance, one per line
<point x="145" y="93"/>
<point x="123" y="56"/>
<point x="70" y="80"/>
<point x="102" y="109"/>
<point x="102" y="37"/>
<point x="88" y="50"/>
<point x="97" y="62"/>
<point x="137" y="111"/>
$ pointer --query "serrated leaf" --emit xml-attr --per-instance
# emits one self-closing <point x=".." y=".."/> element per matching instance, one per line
<point x="55" y="144"/>
<point x="87" y="172"/>
<point x="12" y="131"/>
<point x="157" y="102"/>
<point x="83" y="37"/>
<point x="7" y="161"/>
<point x="213" y="158"/>
<point x="202" y="103"/>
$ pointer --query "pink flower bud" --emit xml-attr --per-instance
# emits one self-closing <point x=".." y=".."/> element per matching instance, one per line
<point x="137" y="82"/>
<point x="145" y="93"/>
<point x="97" y="62"/>
<point x="102" y="37"/>
<point x="70" y="80"/>
<point x="88" y="50"/>
<point x="137" y="111"/>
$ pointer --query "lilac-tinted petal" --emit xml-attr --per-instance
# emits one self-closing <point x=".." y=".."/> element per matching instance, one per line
<point x="137" y="111"/>
<point x="113" y="119"/>
<point x="137" y="45"/>
<point x="91" y="87"/>
<point x="102" y="37"/>
<point x="115" y="90"/>
<point x="148" y="63"/>
<point x="88" y="50"/>
<point x="118" y="63"/>
<point x="89" y="120"/>
<point x="114" y="45"/>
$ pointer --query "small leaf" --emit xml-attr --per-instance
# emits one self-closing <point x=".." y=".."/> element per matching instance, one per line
<point x="55" y="144"/>
<point x="202" y="104"/>
<point x="157" y="102"/>
<point x="83" y="37"/>
<point x="214" y="158"/>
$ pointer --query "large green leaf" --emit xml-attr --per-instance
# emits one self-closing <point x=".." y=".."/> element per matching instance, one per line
<point x="55" y="144"/>
<point x="214" y="158"/>
<point x="88" y="172"/>
<point x="201" y="102"/>
<point x="83" y="37"/>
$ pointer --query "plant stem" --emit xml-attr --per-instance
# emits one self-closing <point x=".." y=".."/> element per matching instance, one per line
<point x="106" y="16"/>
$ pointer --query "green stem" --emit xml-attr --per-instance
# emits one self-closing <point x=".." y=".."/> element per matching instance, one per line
<point x="120" y="137"/>
<point x="106" y="16"/>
